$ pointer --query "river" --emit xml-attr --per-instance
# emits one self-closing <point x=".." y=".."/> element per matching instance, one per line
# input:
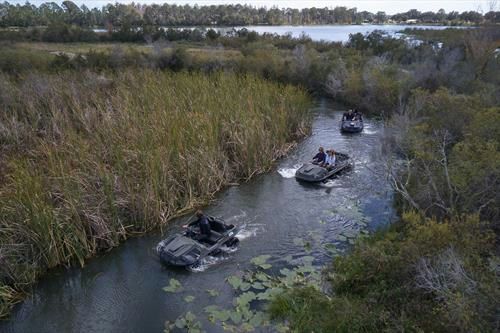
<point x="121" y="291"/>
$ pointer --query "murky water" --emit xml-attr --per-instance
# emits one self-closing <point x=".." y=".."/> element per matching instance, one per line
<point x="121" y="291"/>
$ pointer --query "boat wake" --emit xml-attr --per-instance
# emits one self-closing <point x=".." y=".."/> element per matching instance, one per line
<point x="329" y="183"/>
<point x="289" y="172"/>
<point x="207" y="262"/>
<point x="249" y="230"/>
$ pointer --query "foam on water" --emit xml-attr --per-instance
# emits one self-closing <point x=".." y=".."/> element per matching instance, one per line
<point x="206" y="263"/>
<point x="289" y="172"/>
<point x="249" y="230"/>
<point x="329" y="183"/>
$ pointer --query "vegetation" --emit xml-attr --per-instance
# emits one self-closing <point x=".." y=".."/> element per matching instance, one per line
<point x="124" y="17"/>
<point x="90" y="159"/>
<point x="420" y="275"/>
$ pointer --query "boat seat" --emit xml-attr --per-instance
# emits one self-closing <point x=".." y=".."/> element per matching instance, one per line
<point x="213" y="238"/>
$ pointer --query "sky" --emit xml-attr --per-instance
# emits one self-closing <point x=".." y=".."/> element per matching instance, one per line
<point x="389" y="6"/>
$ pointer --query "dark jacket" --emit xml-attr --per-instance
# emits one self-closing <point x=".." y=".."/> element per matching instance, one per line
<point x="320" y="157"/>
<point x="204" y="225"/>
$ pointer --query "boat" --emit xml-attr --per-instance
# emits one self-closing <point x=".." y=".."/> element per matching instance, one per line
<point x="314" y="173"/>
<point x="189" y="248"/>
<point x="351" y="126"/>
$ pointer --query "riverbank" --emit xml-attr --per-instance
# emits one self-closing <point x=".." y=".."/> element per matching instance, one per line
<point x="91" y="159"/>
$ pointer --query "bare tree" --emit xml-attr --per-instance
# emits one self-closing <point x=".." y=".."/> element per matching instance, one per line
<point x="334" y="84"/>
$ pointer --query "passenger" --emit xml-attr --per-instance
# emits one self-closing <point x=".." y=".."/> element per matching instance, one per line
<point x="357" y="115"/>
<point x="319" y="158"/>
<point x="330" y="159"/>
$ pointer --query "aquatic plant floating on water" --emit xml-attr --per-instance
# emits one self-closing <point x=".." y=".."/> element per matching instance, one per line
<point x="189" y="299"/>
<point x="174" y="286"/>
<point x="253" y="289"/>
<point x="213" y="292"/>
<point x="261" y="261"/>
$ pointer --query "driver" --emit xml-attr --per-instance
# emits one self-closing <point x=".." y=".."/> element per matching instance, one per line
<point x="203" y="224"/>
<point x="319" y="158"/>
<point x="348" y="115"/>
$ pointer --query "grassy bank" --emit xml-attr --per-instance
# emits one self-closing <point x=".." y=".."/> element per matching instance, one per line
<point x="88" y="160"/>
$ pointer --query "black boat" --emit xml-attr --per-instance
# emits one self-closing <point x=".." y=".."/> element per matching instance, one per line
<point x="189" y="247"/>
<point x="314" y="173"/>
<point x="351" y="126"/>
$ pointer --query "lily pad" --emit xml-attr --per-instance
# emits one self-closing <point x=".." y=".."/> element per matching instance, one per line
<point x="174" y="286"/>
<point x="258" y="286"/>
<point x="213" y="292"/>
<point x="261" y="276"/>
<point x="260" y="261"/>
<point x="306" y="259"/>
<point x="189" y="299"/>
<point x="234" y="281"/>
<point x="235" y="317"/>
<point x="244" y="299"/>
<point x="189" y="322"/>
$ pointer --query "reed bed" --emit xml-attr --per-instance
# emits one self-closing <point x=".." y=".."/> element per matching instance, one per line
<point x="89" y="159"/>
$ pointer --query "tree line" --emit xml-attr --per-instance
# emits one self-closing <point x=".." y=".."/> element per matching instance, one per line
<point x="139" y="15"/>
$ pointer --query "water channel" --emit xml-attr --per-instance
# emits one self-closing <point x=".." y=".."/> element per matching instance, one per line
<point x="121" y="291"/>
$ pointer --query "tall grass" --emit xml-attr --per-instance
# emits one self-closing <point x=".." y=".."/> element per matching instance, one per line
<point x="88" y="160"/>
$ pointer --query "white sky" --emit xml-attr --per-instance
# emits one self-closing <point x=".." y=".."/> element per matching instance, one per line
<point x="389" y="6"/>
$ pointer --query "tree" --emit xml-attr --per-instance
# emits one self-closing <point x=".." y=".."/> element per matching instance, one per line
<point x="381" y="17"/>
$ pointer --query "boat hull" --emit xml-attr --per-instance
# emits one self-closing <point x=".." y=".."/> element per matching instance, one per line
<point x="349" y="126"/>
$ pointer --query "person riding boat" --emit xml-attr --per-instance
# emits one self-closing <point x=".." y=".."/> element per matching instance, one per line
<point x="330" y="159"/>
<point x="348" y="115"/>
<point x="357" y="115"/>
<point x="319" y="158"/>
<point x="203" y="224"/>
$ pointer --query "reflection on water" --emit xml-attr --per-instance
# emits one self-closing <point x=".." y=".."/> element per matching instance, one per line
<point x="121" y="291"/>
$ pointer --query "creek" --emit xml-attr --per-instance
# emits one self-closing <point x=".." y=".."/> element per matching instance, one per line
<point x="121" y="290"/>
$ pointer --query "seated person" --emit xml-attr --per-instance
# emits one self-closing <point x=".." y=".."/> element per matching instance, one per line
<point x="357" y="115"/>
<point x="203" y="224"/>
<point x="348" y="115"/>
<point x="319" y="158"/>
<point x="330" y="159"/>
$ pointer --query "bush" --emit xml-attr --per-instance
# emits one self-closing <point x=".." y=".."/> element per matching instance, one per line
<point x="419" y="276"/>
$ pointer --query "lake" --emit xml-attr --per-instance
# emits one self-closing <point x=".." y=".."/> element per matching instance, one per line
<point x="331" y="33"/>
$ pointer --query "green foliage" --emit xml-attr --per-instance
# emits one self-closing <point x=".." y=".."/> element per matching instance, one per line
<point x="380" y="284"/>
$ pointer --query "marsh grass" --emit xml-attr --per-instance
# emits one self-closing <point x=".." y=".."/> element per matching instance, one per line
<point x="88" y="160"/>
